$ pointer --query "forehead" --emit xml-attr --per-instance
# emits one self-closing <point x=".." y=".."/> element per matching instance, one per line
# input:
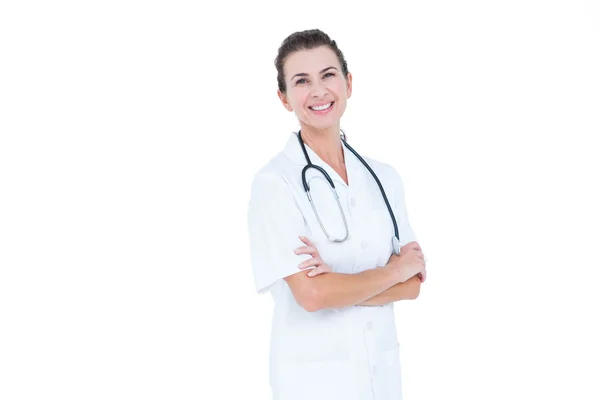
<point x="310" y="61"/>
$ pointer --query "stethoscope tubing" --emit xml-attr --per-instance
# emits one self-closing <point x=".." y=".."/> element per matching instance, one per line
<point x="311" y="165"/>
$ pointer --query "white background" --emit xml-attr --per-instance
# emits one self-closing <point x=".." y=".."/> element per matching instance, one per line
<point x="129" y="136"/>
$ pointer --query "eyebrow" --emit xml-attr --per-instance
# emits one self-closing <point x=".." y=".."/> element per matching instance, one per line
<point x="305" y="74"/>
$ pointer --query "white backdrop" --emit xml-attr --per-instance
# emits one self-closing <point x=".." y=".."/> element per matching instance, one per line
<point x="129" y="136"/>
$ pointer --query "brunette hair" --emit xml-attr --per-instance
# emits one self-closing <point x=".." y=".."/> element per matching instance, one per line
<point x="305" y="40"/>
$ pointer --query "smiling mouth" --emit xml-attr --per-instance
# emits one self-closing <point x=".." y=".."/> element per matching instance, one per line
<point x="323" y="107"/>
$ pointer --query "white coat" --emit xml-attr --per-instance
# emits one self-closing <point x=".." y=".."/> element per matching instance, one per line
<point x="349" y="353"/>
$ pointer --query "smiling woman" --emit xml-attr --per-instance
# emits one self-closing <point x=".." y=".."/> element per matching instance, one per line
<point x="333" y="334"/>
<point x="319" y="82"/>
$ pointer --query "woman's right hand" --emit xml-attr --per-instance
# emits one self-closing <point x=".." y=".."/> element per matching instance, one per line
<point x="409" y="263"/>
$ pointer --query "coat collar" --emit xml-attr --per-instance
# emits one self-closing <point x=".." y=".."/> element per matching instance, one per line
<point x="294" y="152"/>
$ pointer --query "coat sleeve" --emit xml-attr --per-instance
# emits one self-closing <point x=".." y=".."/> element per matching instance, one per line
<point x="274" y="224"/>
<point x="405" y="231"/>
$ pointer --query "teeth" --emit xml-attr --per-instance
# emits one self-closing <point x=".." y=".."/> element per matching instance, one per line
<point x="321" y="108"/>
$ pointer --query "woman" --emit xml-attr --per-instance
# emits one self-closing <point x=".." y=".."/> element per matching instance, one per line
<point x="333" y="332"/>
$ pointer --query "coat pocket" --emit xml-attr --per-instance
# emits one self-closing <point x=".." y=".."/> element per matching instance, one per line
<point x="387" y="376"/>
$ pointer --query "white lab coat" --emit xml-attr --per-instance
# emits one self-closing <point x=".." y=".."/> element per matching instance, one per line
<point x="350" y="353"/>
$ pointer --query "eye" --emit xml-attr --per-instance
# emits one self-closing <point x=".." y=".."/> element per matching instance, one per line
<point x="329" y="73"/>
<point x="300" y="81"/>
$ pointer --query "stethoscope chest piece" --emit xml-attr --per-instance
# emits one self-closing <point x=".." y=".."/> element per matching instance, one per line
<point x="396" y="245"/>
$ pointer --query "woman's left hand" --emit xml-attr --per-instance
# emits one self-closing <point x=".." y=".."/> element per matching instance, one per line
<point x="315" y="261"/>
<point x="422" y="275"/>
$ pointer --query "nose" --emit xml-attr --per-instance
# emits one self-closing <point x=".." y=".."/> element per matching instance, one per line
<point x="318" y="90"/>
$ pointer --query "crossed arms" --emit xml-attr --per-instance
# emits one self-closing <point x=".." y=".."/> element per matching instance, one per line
<point x="320" y="288"/>
<point x="372" y="287"/>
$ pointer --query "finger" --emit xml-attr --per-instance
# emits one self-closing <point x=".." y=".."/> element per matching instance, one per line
<point x="318" y="271"/>
<point x="305" y="240"/>
<point x="419" y="254"/>
<point x="407" y="246"/>
<point x="312" y="262"/>
<point x="312" y="250"/>
<point x="413" y="245"/>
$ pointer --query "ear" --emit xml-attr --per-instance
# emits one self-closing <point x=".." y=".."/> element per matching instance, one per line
<point x="284" y="100"/>
<point x="349" y="85"/>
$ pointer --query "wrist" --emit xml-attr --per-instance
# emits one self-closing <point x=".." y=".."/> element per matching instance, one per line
<point x="396" y="273"/>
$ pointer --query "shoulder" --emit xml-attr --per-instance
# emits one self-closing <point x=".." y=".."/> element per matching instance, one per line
<point x="383" y="169"/>
<point x="272" y="176"/>
<point x="389" y="177"/>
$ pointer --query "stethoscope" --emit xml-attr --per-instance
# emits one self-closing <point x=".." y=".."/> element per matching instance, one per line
<point x="395" y="239"/>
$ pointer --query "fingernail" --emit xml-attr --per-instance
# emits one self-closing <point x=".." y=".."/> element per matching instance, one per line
<point x="296" y="251"/>
<point x="311" y="273"/>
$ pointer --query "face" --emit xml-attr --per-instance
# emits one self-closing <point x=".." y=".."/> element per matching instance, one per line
<point x="314" y="80"/>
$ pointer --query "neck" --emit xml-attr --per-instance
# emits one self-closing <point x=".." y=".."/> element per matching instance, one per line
<point x="326" y="143"/>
